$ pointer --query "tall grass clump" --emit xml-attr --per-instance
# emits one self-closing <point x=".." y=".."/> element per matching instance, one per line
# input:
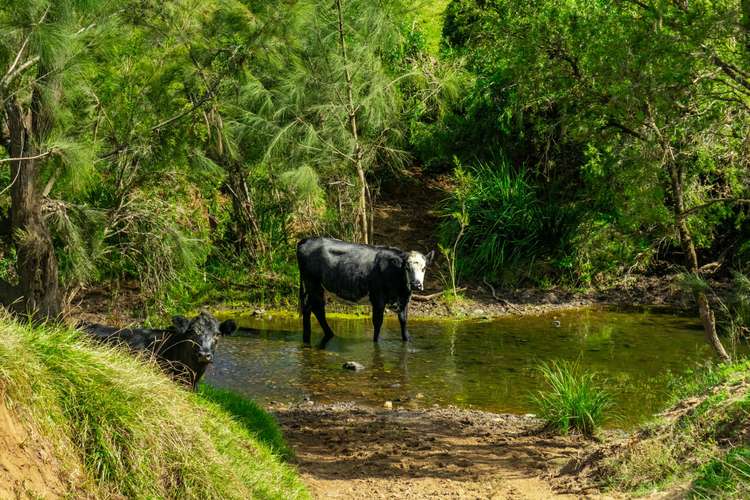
<point x="508" y="226"/>
<point x="120" y="428"/>
<point x="571" y="398"/>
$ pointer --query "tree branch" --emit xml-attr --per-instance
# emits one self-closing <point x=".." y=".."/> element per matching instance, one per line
<point x="733" y="72"/>
<point x="615" y="124"/>
<point x="12" y="71"/>
<point x="26" y="158"/>
<point x="713" y="202"/>
<point x="203" y="100"/>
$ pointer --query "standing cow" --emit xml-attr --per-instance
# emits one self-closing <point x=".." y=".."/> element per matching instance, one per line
<point x="184" y="350"/>
<point x="357" y="274"/>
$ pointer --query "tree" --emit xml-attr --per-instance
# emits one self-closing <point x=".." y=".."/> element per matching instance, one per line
<point x="337" y="104"/>
<point x="641" y="109"/>
<point x="40" y="44"/>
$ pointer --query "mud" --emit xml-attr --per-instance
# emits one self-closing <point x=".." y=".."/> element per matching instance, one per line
<point x="349" y="451"/>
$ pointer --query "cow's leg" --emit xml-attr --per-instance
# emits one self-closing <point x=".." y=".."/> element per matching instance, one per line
<point x="306" y="310"/>
<point x="378" y="308"/>
<point x="403" y="315"/>
<point x="318" y="306"/>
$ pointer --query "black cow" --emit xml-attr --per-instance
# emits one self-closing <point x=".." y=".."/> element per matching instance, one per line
<point x="185" y="349"/>
<point x="357" y="274"/>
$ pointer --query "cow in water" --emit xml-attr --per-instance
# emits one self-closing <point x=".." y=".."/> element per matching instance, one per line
<point x="357" y="274"/>
<point x="184" y="350"/>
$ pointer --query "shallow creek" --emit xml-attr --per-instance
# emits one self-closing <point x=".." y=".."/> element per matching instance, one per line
<point x="488" y="365"/>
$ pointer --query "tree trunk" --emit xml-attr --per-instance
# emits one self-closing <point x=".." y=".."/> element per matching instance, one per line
<point x="246" y="222"/>
<point x="704" y="307"/>
<point x="352" y="112"/>
<point x="37" y="292"/>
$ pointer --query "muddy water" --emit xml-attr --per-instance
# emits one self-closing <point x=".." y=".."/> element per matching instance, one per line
<point x="487" y="365"/>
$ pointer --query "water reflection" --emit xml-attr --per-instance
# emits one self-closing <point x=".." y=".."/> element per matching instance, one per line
<point x="480" y="364"/>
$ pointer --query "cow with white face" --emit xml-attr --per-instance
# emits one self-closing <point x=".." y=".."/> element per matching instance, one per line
<point x="357" y="274"/>
<point x="416" y="265"/>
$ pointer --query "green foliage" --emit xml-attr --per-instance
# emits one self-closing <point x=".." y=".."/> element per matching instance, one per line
<point x="571" y="399"/>
<point x="196" y="139"/>
<point x="461" y="218"/>
<point x="726" y="477"/>
<point x="256" y="420"/>
<point x="122" y="428"/>
<point x="509" y="228"/>
<point x="605" y="137"/>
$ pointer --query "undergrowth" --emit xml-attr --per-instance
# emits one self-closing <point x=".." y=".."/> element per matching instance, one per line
<point x="701" y="441"/>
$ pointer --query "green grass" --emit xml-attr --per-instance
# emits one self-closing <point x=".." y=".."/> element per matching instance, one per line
<point x="120" y="428"/>
<point x="702" y="440"/>
<point x="248" y="413"/>
<point x="429" y="15"/>
<point x="725" y="477"/>
<point x="571" y="400"/>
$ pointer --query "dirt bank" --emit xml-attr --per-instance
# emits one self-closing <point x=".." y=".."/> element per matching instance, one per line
<point x="28" y="468"/>
<point x="350" y="451"/>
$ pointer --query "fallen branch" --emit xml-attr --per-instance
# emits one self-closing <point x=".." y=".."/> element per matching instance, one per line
<point x="427" y="298"/>
<point x="502" y="301"/>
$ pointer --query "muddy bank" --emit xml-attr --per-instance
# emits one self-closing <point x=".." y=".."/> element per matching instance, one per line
<point x="350" y="451"/>
<point x="126" y="306"/>
<point x="484" y="302"/>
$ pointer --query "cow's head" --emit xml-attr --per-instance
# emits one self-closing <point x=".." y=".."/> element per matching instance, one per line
<point x="416" y="265"/>
<point x="203" y="332"/>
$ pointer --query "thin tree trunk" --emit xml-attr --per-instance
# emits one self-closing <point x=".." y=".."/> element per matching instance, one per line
<point x="363" y="188"/>
<point x="246" y="222"/>
<point x="704" y="307"/>
<point x="37" y="292"/>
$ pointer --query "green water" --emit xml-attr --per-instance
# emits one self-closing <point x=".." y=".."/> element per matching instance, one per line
<point x="488" y="365"/>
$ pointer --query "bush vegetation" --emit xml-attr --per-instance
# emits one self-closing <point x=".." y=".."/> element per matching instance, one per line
<point x="571" y="399"/>
<point x="119" y="427"/>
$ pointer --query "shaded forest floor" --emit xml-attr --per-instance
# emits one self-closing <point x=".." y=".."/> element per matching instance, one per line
<point x="347" y="451"/>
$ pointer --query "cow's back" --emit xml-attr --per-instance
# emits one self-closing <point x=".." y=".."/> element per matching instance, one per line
<point x="349" y="270"/>
<point x="137" y="339"/>
<point x="343" y="269"/>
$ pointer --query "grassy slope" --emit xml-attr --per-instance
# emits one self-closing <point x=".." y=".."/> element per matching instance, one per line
<point x="701" y="444"/>
<point x="130" y="429"/>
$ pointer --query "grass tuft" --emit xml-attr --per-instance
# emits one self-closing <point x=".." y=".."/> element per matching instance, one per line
<point x="571" y="400"/>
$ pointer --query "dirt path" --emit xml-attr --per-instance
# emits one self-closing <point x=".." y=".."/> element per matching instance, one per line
<point x="347" y="451"/>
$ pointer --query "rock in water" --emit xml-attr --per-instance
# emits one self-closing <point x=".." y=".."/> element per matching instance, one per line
<point x="353" y="366"/>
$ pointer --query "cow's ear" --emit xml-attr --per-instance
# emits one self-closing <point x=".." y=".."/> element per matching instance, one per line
<point x="227" y="327"/>
<point x="430" y="256"/>
<point x="180" y="323"/>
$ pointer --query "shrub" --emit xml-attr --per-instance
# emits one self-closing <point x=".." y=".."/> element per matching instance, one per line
<point x="571" y="399"/>
<point x="510" y="227"/>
